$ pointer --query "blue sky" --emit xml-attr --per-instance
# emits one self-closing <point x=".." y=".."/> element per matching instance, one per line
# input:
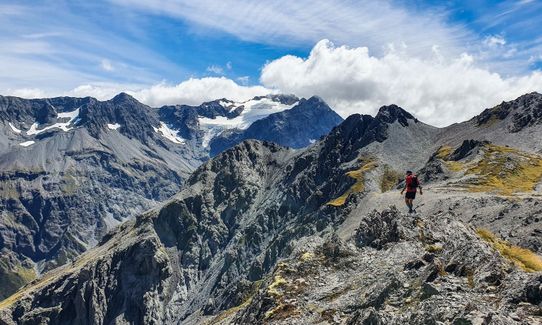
<point x="240" y="48"/>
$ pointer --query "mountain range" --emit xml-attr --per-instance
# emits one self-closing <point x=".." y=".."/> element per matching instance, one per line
<point x="74" y="168"/>
<point x="264" y="233"/>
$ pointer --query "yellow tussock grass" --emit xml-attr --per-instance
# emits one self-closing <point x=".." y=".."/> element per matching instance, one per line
<point x="506" y="171"/>
<point x="522" y="257"/>
<point x="358" y="186"/>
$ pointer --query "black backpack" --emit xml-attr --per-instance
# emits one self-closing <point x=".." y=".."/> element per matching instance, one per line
<point x="414" y="183"/>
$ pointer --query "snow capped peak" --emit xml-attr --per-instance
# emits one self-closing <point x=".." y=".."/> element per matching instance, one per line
<point x="252" y="110"/>
<point x="247" y="113"/>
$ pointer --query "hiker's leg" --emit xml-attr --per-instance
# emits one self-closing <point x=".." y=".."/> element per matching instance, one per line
<point x="409" y="204"/>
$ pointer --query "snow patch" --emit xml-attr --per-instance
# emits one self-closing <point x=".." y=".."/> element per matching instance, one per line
<point x="113" y="126"/>
<point x="253" y="110"/>
<point x="64" y="126"/>
<point x="71" y="115"/>
<point x="169" y="133"/>
<point x="27" y="143"/>
<point x="312" y="141"/>
<point x="14" y="129"/>
<point x="209" y="133"/>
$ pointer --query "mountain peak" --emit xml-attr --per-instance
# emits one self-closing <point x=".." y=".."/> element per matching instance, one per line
<point x="123" y="97"/>
<point x="392" y="113"/>
<point x="313" y="101"/>
<point x="531" y="95"/>
<point x="524" y="111"/>
<point x="316" y="99"/>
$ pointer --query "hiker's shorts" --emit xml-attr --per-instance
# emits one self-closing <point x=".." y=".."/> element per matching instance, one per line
<point x="410" y="195"/>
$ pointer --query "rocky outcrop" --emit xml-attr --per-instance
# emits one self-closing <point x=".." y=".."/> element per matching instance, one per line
<point x="378" y="229"/>
<point x="525" y="111"/>
<point x="394" y="113"/>
<point x="466" y="149"/>
<point x="438" y="271"/>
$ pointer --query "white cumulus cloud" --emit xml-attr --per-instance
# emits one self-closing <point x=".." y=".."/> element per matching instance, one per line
<point x="438" y="91"/>
<point x="193" y="91"/>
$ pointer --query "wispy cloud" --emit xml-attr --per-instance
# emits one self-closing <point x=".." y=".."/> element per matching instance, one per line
<point x="375" y="24"/>
<point x="215" y="69"/>
<point x="372" y="23"/>
<point x="494" y="40"/>
<point x="107" y="65"/>
<point x="54" y="47"/>
<point x="520" y="22"/>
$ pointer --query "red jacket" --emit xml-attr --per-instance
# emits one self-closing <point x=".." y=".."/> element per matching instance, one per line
<point x="409" y="187"/>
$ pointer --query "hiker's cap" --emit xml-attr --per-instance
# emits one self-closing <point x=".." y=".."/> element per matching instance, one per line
<point x="408" y="172"/>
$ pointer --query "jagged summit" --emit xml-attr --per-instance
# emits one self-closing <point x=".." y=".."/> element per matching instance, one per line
<point x="534" y="95"/>
<point x="525" y="110"/>
<point x="124" y="98"/>
<point x="393" y="113"/>
<point x="315" y="99"/>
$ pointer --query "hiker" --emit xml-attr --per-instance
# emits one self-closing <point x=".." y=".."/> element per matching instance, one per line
<point x="411" y="186"/>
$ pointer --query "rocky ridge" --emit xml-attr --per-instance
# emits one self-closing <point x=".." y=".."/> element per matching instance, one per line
<point x="74" y="168"/>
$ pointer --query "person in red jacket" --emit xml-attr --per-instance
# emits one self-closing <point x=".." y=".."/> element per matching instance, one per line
<point x="411" y="186"/>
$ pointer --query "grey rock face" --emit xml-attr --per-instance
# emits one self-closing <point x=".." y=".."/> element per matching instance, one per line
<point x="392" y="113"/>
<point x="508" y="123"/>
<point x="182" y="118"/>
<point x="72" y="169"/>
<point x="371" y="286"/>
<point x="378" y="229"/>
<point x="466" y="149"/>
<point x="523" y="112"/>
<point x="65" y="190"/>
<point x="238" y="215"/>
